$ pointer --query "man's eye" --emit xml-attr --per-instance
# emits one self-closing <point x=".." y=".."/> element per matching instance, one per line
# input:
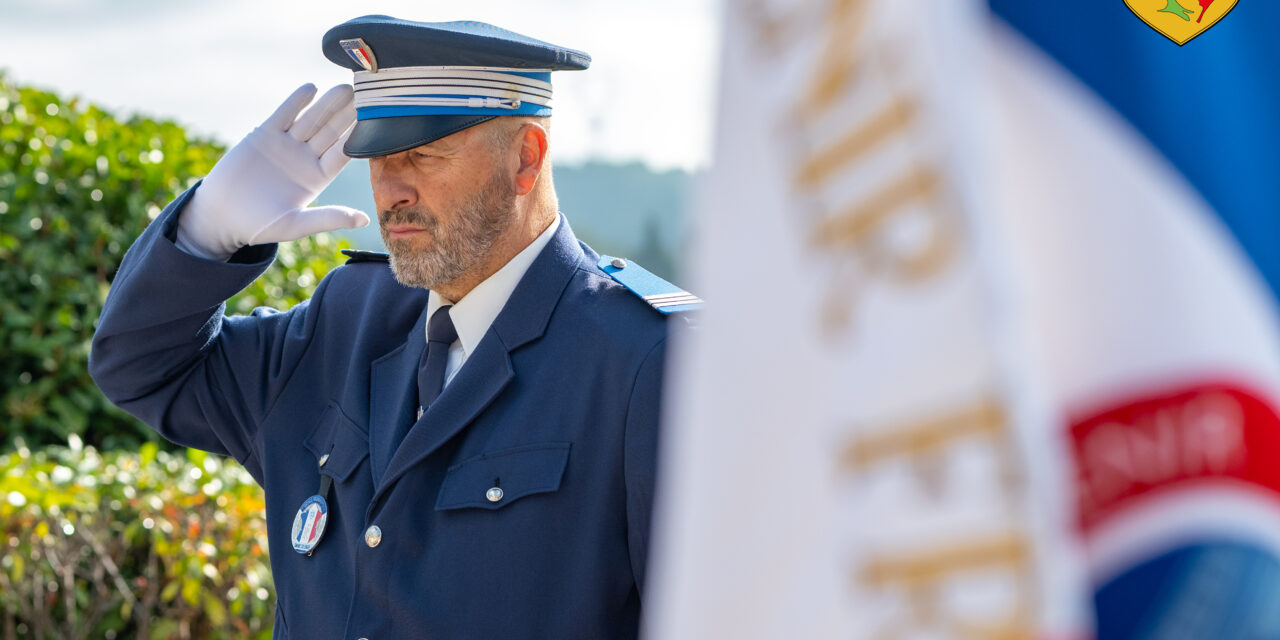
<point x="419" y="154"/>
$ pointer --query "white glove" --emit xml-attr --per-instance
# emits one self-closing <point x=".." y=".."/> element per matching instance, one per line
<point x="257" y="192"/>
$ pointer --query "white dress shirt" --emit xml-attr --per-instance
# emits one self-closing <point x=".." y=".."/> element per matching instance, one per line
<point x="473" y="314"/>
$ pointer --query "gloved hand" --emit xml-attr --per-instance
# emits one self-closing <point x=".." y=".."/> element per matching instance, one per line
<point x="257" y="192"/>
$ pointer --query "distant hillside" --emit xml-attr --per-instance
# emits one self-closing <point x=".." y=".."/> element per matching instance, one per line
<point x="619" y="209"/>
<point x="628" y="210"/>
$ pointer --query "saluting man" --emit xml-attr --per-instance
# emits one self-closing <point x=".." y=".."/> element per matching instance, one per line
<point x="456" y="440"/>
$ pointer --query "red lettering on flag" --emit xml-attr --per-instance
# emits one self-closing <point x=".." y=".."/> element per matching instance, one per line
<point x="1161" y="442"/>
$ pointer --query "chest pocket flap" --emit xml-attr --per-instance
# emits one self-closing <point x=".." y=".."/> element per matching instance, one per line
<point x="340" y="439"/>
<point x="514" y="473"/>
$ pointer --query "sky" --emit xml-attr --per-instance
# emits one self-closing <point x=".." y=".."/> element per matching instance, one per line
<point x="220" y="68"/>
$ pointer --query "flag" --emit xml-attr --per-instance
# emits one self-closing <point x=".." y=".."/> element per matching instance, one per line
<point x="991" y="348"/>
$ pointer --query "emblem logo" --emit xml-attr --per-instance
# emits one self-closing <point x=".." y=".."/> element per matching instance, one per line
<point x="361" y="52"/>
<point x="1180" y="20"/>
<point x="308" y="524"/>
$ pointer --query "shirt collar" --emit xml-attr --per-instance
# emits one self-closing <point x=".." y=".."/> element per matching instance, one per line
<point x="476" y="311"/>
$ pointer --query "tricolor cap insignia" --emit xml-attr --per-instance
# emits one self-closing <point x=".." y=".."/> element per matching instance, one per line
<point x="360" y="52"/>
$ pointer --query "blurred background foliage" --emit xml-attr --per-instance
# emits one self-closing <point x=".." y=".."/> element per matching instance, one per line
<point x="77" y="186"/>
<point x="107" y="531"/>
<point x="147" y="544"/>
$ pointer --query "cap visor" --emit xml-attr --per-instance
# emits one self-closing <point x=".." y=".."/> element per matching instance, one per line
<point x="384" y="136"/>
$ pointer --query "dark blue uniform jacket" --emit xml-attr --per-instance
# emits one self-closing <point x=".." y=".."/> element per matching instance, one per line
<point x="558" y="406"/>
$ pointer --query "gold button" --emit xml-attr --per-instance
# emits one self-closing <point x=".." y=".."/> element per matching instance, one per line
<point x="323" y="459"/>
<point x="373" y="536"/>
<point x="494" y="494"/>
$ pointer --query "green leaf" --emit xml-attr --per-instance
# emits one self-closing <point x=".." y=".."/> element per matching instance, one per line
<point x="191" y="590"/>
<point x="148" y="453"/>
<point x="170" y="591"/>
<point x="197" y="456"/>
<point x="216" y="611"/>
<point x="164" y="629"/>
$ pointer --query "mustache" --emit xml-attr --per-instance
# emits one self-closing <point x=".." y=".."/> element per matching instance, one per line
<point x="417" y="216"/>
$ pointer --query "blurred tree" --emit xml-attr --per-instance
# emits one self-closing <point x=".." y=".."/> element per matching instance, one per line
<point x="651" y="251"/>
<point x="77" y="186"/>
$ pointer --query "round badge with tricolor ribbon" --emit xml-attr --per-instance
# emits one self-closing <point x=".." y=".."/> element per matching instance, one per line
<point x="308" y="524"/>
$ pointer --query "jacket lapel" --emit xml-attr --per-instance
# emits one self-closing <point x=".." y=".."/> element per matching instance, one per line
<point x="393" y="394"/>
<point x="487" y="371"/>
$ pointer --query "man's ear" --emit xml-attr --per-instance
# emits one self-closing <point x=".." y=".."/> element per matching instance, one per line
<point x="533" y="152"/>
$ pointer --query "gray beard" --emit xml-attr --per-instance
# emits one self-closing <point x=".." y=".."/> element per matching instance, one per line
<point x="457" y="246"/>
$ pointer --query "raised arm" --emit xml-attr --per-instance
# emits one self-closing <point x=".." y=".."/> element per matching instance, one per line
<point x="163" y="349"/>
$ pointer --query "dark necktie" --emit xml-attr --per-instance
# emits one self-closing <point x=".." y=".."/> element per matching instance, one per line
<point x="440" y="334"/>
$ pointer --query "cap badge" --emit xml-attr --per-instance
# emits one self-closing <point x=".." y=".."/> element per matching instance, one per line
<point x="360" y="52"/>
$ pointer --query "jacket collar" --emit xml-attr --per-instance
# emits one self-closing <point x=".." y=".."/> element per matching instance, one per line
<point x="528" y="310"/>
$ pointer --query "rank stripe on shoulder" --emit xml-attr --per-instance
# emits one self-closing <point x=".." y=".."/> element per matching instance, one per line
<point x="660" y="294"/>
<point x="672" y="299"/>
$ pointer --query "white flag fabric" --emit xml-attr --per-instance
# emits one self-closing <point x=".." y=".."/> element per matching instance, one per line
<point x="980" y="359"/>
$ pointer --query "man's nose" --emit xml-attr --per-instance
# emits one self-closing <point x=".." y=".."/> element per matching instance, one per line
<point x="391" y="190"/>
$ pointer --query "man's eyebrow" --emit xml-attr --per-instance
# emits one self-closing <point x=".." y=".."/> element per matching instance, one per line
<point x="437" y="145"/>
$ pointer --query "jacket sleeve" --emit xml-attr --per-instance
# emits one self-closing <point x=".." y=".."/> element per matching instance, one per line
<point x="640" y="457"/>
<point x="164" y="351"/>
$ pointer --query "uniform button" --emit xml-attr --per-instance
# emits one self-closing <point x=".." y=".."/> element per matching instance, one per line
<point x="494" y="494"/>
<point x="323" y="459"/>
<point x="618" y="263"/>
<point x="373" y="536"/>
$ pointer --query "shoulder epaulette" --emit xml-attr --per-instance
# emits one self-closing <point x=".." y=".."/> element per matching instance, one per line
<point x="660" y="294"/>
<point x="356" y="255"/>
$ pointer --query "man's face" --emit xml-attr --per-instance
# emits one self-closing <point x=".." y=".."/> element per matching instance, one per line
<point x="442" y="206"/>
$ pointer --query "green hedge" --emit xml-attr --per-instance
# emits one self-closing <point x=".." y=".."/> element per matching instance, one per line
<point x="77" y="186"/>
<point x="153" y="544"/>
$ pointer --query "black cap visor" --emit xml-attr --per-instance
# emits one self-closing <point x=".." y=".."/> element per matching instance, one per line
<point x="385" y="136"/>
